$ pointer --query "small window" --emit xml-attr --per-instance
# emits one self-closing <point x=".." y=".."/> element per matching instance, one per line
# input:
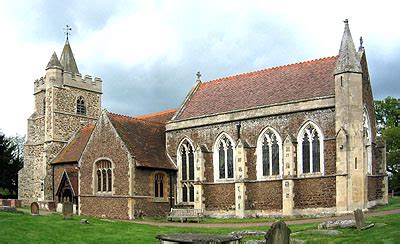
<point x="80" y="106"/>
<point x="44" y="105"/>
<point x="104" y="176"/>
<point x="159" y="185"/>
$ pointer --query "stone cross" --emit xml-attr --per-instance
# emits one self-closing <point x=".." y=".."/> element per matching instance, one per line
<point x="34" y="208"/>
<point x="279" y="233"/>
<point x="67" y="210"/>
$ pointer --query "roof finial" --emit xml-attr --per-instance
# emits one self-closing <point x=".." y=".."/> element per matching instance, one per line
<point x="198" y="76"/>
<point x="361" y="43"/>
<point x="67" y="30"/>
<point x="346" y="21"/>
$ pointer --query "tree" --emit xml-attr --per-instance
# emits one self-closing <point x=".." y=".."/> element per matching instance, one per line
<point x="387" y="113"/>
<point x="10" y="162"/>
<point x="388" y="117"/>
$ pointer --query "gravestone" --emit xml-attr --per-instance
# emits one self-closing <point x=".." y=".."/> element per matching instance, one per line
<point x="359" y="217"/>
<point x="360" y="222"/>
<point x="67" y="209"/>
<point x="34" y="208"/>
<point x="279" y="233"/>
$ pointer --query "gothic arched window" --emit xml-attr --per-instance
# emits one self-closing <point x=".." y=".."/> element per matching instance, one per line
<point x="367" y="140"/>
<point x="186" y="172"/>
<point x="80" y="106"/>
<point x="269" y="154"/>
<point x="224" y="158"/>
<point x="104" y="176"/>
<point x="310" y="149"/>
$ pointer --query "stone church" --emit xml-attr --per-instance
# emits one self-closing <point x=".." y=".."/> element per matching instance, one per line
<point x="298" y="139"/>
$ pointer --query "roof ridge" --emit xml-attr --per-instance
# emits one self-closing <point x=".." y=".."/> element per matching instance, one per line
<point x="135" y="118"/>
<point x="157" y="113"/>
<point x="268" y="69"/>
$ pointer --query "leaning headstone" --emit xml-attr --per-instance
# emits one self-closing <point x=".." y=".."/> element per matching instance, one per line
<point x="360" y="222"/>
<point x="34" y="208"/>
<point x="359" y="217"/>
<point x="67" y="210"/>
<point x="279" y="233"/>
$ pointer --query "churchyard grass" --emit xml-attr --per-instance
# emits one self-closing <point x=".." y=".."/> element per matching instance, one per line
<point x="52" y="228"/>
<point x="394" y="203"/>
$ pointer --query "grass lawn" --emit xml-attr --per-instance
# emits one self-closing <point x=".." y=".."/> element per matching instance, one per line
<point x="24" y="228"/>
<point x="394" y="203"/>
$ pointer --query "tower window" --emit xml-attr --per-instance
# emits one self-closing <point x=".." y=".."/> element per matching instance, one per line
<point x="80" y="106"/>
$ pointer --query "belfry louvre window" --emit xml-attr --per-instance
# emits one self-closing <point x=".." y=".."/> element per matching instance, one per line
<point x="159" y="185"/>
<point x="104" y="176"/>
<point x="224" y="156"/>
<point x="80" y="106"/>
<point x="310" y="149"/>
<point x="186" y="174"/>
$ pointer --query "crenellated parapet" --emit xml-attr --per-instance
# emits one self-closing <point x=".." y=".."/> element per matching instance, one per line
<point x="39" y="85"/>
<point x="86" y="82"/>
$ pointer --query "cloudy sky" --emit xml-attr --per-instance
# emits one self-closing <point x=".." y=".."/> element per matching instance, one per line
<point x="148" y="52"/>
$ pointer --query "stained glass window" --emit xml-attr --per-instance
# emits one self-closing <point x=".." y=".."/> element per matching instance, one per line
<point x="230" y="159"/>
<point x="191" y="164"/>
<point x="184" y="164"/>
<point x="185" y="185"/>
<point x="98" y="180"/>
<point x="265" y="157"/>
<point x="316" y="153"/>
<point x="275" y="156"/>
<point x="306" y="154"/>
<point x="221" y="161"/>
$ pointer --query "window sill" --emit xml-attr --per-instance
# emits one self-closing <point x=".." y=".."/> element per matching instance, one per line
<point x="103" y="193"/>
<point x="306" y="175"/>
<point x="160" y="199"/>
<point x="272" y="177"/>
<point x="230" y="180"/>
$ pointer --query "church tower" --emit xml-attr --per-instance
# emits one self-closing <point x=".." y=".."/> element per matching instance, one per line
<point x="64" y="101"/>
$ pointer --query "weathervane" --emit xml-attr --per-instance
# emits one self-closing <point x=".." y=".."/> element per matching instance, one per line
<point x="67" y="30"/>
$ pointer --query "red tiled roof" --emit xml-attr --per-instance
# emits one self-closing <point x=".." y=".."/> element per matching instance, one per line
<point x="145" y="138"/>
<point x="160" y="117"/>
<point x="73" y="151"/>
<point x="70" y="177"/>
<point x="270" y="86"/>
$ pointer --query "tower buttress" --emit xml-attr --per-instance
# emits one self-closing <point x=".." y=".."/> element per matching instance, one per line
<point x="351" y="182"/>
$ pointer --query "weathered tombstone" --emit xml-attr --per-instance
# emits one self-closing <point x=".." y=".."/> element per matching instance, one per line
<point x="67" y="210"/>
<point x="279" y="233"/>
<point x="360" y="223"/>
<point x="359" y="217"/>
<point x="34" y="208"/>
